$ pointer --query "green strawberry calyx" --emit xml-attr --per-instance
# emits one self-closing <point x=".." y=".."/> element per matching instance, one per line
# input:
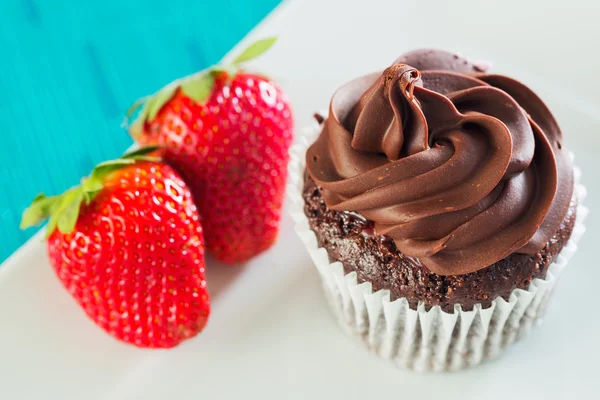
<point x="62" y="211"/>
<point x="197" y="86"/>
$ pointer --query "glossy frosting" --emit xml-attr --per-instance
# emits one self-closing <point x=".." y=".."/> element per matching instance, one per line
<point x="459" y="167"/>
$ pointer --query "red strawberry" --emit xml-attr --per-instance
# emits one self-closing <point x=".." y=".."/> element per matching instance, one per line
<point x="127" y="244"/>
<point x="228" y="133"/>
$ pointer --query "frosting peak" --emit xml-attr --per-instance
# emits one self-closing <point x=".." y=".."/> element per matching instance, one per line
<point x="459" y="167"/>
<point x="383" y="119"/>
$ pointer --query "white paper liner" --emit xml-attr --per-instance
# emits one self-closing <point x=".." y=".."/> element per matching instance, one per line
<point x="423" y="340"/>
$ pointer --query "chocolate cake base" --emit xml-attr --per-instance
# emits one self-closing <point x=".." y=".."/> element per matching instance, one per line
<point x="349" y="238"/>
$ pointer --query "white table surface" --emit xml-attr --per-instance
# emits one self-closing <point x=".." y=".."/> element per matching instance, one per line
<point x="270" y="334"/>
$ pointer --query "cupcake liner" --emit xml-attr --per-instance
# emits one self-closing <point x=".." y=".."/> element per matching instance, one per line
<point x="424" y="340"/>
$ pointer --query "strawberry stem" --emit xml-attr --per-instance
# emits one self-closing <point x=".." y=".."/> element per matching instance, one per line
<point x="62" y="210"/>
<point x="197" y="86"/>
<point x="254" y="50"/>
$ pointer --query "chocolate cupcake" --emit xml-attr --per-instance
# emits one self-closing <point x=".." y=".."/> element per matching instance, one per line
<point x="439" y="204"/>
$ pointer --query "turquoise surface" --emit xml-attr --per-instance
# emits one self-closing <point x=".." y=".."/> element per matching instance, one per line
<point x="70" y="69"/>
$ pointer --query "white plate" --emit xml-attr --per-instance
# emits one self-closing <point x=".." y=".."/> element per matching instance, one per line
<point x="270" y="335"/>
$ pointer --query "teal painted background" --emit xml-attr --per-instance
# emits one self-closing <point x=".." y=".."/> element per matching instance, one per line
<point x="70" y="68"/>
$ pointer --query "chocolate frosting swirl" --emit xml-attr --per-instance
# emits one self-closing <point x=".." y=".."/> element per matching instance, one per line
<point x="459" y="167"/>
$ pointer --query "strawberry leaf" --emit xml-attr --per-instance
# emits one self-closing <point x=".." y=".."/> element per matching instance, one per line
<point x="142" y="151"/>
<point x="103" y="169"/>
<point x="38" y="211"/>
<point x="135" y="107"/>
<point x="156" y="102"/>
<point x="71" y="205"/>
<point x="63" y="210"/>
<point x="91" y="184"/>
<point x="199" y="87"/>
<point x="55" y="213"/>
<point x="91" y="187"/>
<point x="254" y="50"/>
<point x="137" y="126"/>
<point x="52" y="222"/>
